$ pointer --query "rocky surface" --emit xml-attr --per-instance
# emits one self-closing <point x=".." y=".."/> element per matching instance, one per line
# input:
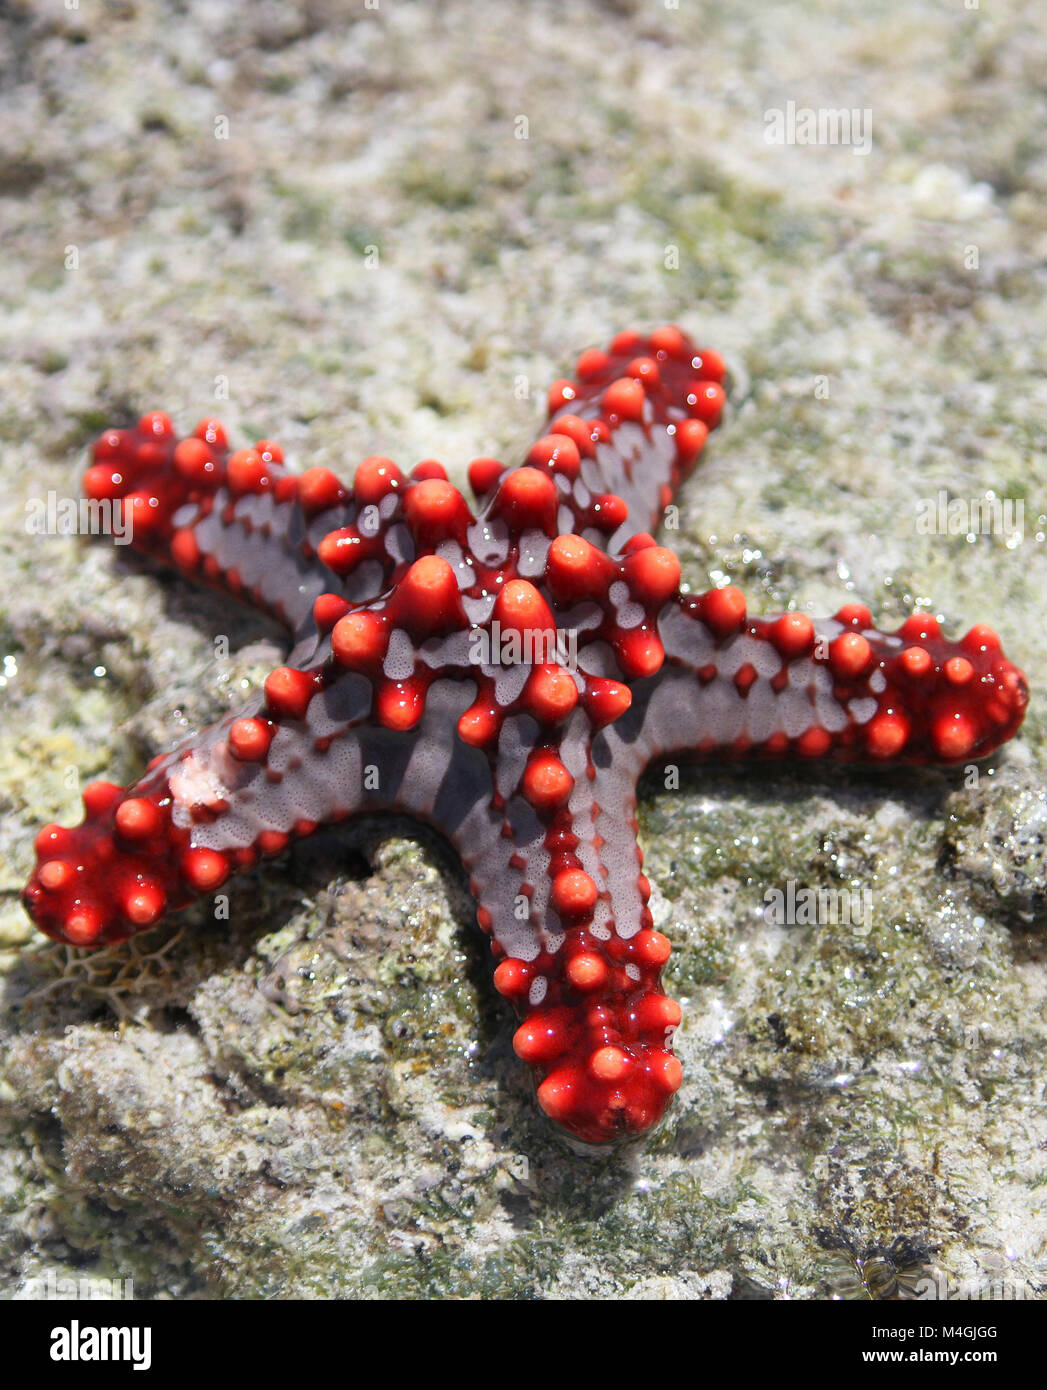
<point x="333" y="233"/>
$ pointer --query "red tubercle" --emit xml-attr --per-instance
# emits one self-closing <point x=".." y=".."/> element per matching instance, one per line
<point x="319" y="490"/>
<point x="212" y="432"/>
<point x="249" y="739"/>
<point x="100" y="797"/>
<point x="722" y="610"/>
<point x="591" y="365"/>
<point x="624" y="399"/>
<point x="813" y="743"/>
<point x="484" y="474"/>
<point x="916" y="662"/>
<point x="575" y="569"/>
<point x="645" y="370"/>
<point x="527" y="498"/>
<point x="639" y="651"/>
<point x="849" y="655"/>
<point x="400" y="705"/>
<point x="558" y="453"/>
<point x="360" y="639"/>
<point x="854" y="615"/>
<point x="110" y="446"/>
<point x="426" y="601"/>
<point x="205" y="869"/>
<point x="156" y="425"/>
<point x="586" y="434"/>
<point x="481" y="723"/>
<point x="690" y="438"/>
<point x="744" y="678"/>
<point x="954" y="734"/>
<point x="958" y="671"/>
<point x="792" y="635"/>
<point x="887" y="733"/>
<point x="104" y="482"/>
<point x="344" y="549"/>
<point x="606" y="512"/>
<point x="574" y="893"/>
<point x="289" y="691"/>
<point x="671" y="342"/>
<point x="426" y="470"/>
<point x="435" y="511"/>
<point x="512" y="977"/>
<point x="653" y="575"/>
<point x="269" y="452"/>
<point x="708" y="365"/>
<point x="138" y="818"/>
<point x="586" y="970"/>
<point x="546" y="783"/>
<point x="626" y="343"/>
<point x="376" y="477"/>
<point x="605" y="700"/>
<point x="918" y="627"/>
<point x="640" y="540"/>
<point x="247" y="472"/>
<point x="561" y="393"/>
<point x="981" y="640"/>
<point x="706" y="400"/>
<point x="327" y="609"/>
<point x="521" y="608"/>
<point x="551" y="693"/>
<point x="195" y="461"/>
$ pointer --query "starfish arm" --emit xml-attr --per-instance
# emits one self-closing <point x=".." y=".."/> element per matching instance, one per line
<point x="318" y="744"/>
<point x="626" y="431"/>
<point x="240" y="522"/>
<point x="736" y="687"/>
<point x="553" y="861"/>
<point x="297" y="756"/>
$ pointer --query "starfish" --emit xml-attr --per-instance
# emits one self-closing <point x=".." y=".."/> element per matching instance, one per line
<point x="505" y="677"/>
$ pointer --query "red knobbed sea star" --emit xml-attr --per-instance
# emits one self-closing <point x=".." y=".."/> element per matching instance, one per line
<point x="432" y="673"/>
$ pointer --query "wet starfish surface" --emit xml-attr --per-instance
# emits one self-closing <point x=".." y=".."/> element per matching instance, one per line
<point x="505" y="677"/>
